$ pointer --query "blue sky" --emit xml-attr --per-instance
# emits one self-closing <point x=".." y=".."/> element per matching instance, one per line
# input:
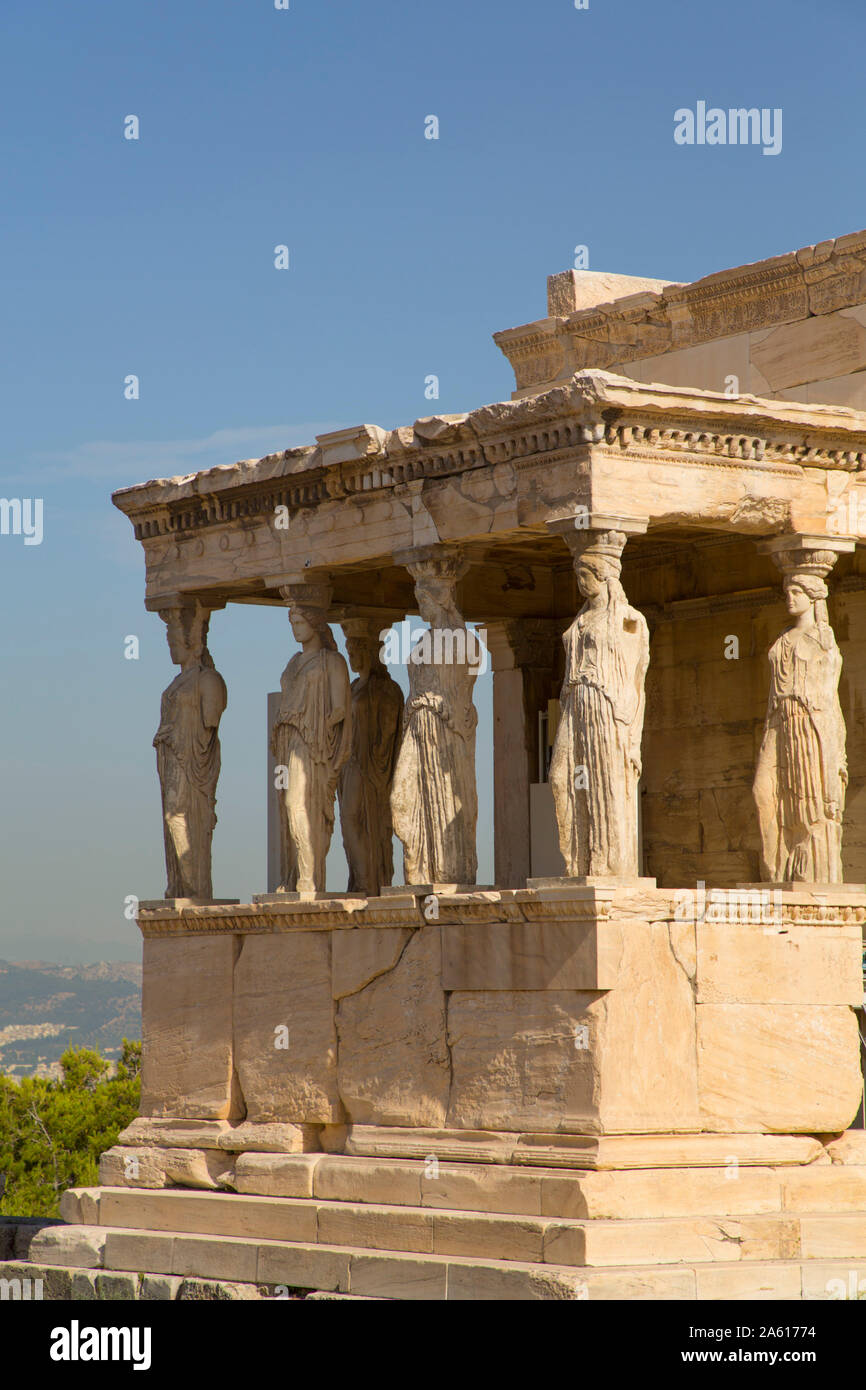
<point x="155" y="257"/>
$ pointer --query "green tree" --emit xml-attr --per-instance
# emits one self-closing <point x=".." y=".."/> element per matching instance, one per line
<point x="52" y="1132"/>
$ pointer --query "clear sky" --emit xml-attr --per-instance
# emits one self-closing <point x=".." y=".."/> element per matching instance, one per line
<point x="155" y="257"/>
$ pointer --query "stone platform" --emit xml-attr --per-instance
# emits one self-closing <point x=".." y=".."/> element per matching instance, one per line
<point x="582" y="1010"/>
<point x="774" y="1217"/>
<point x="580" y="1091"/>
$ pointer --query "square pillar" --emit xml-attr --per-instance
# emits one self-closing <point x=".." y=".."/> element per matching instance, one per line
<point x="526" y="658"/>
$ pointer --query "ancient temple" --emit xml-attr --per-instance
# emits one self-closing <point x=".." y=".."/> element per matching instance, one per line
<point x="631" y="1066"/>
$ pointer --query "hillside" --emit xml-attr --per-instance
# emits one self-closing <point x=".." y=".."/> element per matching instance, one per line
<point x="45" y="1008"/>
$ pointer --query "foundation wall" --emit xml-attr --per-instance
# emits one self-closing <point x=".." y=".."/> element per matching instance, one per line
<point x="820" y="360"/>
<point x="573" y="1011"/>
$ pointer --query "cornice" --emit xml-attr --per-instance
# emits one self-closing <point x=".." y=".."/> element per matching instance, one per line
<point x="593" y="414"/>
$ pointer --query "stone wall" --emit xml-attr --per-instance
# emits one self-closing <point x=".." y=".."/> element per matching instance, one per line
<point x="818" y="360"/>
<point x="792" y="327"/>
<point x="553" y="1011"/>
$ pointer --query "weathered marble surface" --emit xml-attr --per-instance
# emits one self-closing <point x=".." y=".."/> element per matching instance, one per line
<point x="791" y="324"/>
<point x="188" y="752"/>
<point x="367" y="776"/>
<point x="311" y="742"/>
<point x="582" y="1011"/>
<point x="802" y="771"/>
<point x="284" y="1040"/>
<point x="596" y="760"/>
<point x="434" y="800"/>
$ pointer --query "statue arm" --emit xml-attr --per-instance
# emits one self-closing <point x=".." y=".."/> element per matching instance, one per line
<point x="214" y="698"/>
<point x="630" y="704"/>
<point x="340" y="692"/>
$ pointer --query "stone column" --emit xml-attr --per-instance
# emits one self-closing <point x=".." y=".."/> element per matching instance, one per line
<point x="596" y="761"/>
<point x="188" y="749"/>
<point x="312" y="735"/>
<point x="802" y="771"/>
<point x="525" y="654"/>
<point x="434" y="799"/>
<point x="366" y="779"/>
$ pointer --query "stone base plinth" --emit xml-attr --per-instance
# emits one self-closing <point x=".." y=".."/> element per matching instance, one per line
<point x="424" y="890"/>
<point x="177" y="904"/>
<point x="698" y="1217"/>
<point x="635" y="885"/>
<point x="582" y="1010"/>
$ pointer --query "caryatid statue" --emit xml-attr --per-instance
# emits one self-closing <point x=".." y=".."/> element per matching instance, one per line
<point x="802" y="770"/>
<point x="311" y="739"/>
<point x="188" y="752"/>
<point x="366" y="779"/>
<point x="596" y="762"/>
<point x="434" y="799"/>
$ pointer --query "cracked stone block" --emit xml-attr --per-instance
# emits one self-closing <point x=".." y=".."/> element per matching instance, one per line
<point x="784" y="1068"/>
<point x="616" y="1061"/>
<point x="174" y="1134"/>
<point x="214" y="1290"/>
<point x="187" y="1027"/>
<point x="117" y="1287"/>
<point x="284" y="1035"/>
<point x="272" y="1138"/>
<point x="83" y="1285"/>
<point x="361" y="955"/>
<point x="530" y="956"/>
<point x="150" y="1167"/>
<point x="394" y="1066"/>
<point x="516" y="1063"/>
<point x="162" y="1287"/>
<point x="81" y="1246"/>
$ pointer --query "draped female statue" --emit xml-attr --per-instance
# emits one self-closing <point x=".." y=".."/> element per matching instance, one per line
<point x="596" y="760"/>
<point x="311" y="740"/>
<point x="802" y="772"/>
<point x="434" y="800"/>
<point x="366" y="779"/>
<point x="188" y="753"/>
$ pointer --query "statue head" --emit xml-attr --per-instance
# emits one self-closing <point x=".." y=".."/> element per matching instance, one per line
<point x="436" y="598"/>
<point x="590" y="578"/>
<point x="804" y="591"/>
<point x="186" y="629"/>
<point x="804" y="582"/>
<point x="310" y="625"/>
<point x="364" y="638"/>
<point x="599" y="566"/>
<point x="436" y="571"/>
<point x="358" y="650"/>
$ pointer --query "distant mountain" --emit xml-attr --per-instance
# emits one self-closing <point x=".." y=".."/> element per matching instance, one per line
<point x="45" y="1008"/>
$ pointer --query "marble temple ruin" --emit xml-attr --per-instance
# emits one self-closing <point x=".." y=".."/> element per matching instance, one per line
<point x="630" y="1067"/>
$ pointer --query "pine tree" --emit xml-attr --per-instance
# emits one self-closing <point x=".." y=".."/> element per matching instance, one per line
<point x="52" y="1132"/>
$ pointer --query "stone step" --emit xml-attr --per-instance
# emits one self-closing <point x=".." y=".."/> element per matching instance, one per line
<point x="25" y="1282"/>
<point x="576" y="1151"/>
<point x="362" y="1275"/>
<point x="283" y="1266"/>
<point x="734" y="1189"/>
<point x="415" y="1230"/>
<point x="737" y="1190"/>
